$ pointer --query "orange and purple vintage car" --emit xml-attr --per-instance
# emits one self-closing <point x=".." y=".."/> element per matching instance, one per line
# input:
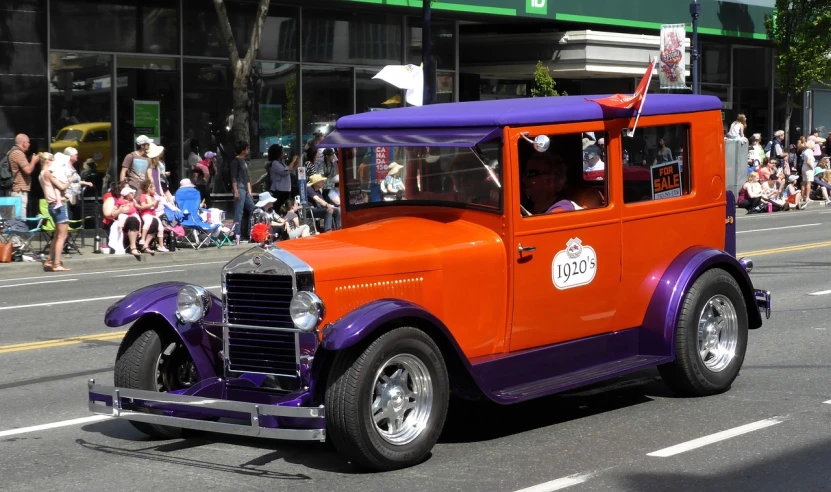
<point x="499" y="250"/>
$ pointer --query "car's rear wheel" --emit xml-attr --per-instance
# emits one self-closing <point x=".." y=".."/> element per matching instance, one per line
<point x="386" y="403"/>
<point x="151" y="361"/>
<point x="710" y="337"/>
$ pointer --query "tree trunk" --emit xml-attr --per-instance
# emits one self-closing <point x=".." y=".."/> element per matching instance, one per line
<point x="788" y="112"/>
<point x="239" y="130"/>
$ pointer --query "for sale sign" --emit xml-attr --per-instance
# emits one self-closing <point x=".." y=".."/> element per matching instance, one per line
<point x="666" y="180"/>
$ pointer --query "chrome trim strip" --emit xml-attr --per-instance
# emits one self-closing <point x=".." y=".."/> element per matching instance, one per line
<point x="234" y="325"/>
<point x="253" y="409"/>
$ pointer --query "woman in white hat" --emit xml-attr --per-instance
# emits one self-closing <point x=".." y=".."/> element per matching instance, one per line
<point x="393" y="185"/>
<point x="320" y="208"/>
<point x="154" y="171"/>
<point x="808" y="164"/>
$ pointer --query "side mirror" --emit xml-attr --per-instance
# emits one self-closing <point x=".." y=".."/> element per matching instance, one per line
<point x="540" y="142"/>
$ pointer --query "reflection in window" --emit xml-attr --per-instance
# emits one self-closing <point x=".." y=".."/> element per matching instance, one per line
<point x="327" y="95"/>
<point x="81" y="92"/>
<point x="374" y="94"/>
<point x="203" y="36"/>
<point x="330" y="37"/>
<point x="658" y="167"/>
<point x="149" y="26"/>
<point x="571" y="175"/>
<point x="436" y="176"/>
<point x="444" y="43"/>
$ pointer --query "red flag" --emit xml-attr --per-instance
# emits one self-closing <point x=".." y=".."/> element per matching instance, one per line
<point x="636" y="99"/>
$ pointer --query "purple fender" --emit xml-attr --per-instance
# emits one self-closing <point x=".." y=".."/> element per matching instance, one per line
<point x="658" y="328"/>
<point x="160" y="299"/>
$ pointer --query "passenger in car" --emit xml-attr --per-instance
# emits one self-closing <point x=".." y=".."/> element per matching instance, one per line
<point x="544" y="182"/>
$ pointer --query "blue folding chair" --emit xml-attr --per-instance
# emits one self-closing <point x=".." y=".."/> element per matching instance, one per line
<point x="188" y="200"/>
<point x="12" y="207"/>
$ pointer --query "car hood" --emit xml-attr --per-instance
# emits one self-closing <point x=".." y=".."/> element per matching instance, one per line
<point x="386" y="247"/>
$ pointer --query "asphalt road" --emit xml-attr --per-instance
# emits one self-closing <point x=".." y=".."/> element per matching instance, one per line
<point x="596" y="439"/>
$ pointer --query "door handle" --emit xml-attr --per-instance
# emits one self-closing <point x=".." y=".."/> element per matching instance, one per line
<point x="526" y="249"/>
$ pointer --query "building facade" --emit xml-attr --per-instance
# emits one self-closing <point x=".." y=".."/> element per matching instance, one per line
<point x="161" y="67"/>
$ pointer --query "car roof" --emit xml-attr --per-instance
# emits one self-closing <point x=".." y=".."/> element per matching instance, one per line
<point x="88" y="126"/>
<point x="521" y="112"/>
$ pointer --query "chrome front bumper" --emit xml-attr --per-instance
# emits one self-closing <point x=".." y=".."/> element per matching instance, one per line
<point x="261" y="417"/>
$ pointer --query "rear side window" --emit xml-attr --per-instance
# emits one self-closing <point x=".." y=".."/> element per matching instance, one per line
<point x="656" y="163"/>
<point x="96" y="136"/>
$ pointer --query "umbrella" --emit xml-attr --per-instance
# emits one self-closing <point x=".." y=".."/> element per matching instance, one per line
<point x="409" y="77"/>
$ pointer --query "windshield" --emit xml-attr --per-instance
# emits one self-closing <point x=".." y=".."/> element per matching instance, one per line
<point x="70" y="135"/>
<point x="447" y="176"/>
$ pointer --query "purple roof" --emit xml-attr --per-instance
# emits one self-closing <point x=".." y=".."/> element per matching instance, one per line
<point x="518" y="112"/>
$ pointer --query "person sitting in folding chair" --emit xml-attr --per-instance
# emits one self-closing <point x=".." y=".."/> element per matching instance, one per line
<point x="188" y="200"/>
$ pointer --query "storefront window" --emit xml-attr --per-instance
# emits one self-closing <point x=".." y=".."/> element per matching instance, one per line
<point x="715" y="63"/>
<point x="81" y="92"/>
<point x="148" y="104"/>
<point x="327" y="95"/>
<point x="339" y="37"/>
<point x="374" y="94"/>
<point x="150" y="26"/>
<point x="444" y="87"/>
<point x="203" y="36"/>
<point x="275" y="118"/>
<point x="444" y="43"/>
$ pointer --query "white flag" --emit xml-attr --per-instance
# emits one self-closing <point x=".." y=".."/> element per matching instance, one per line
<point x="409" y="77"/>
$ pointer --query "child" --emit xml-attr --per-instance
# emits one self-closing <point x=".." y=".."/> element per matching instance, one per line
<point x="149" y="206"/>
<point x="295" y="230"/>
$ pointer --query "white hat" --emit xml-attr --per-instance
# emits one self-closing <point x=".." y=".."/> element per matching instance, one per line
<point x="186" y="183"/>
<point x="265" y="198"/>
<point x="394" y="168"/>
<point x="155" y="150"/>
<point x="143" y="139"/>
<point x="127" y="190"/>
<point x="793" y="177"/>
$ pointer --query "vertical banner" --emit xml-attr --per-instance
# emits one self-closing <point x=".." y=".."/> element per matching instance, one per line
<point x="301" y="184"/>
<point x="672" y="73"/>
<point x="146" y="119"/>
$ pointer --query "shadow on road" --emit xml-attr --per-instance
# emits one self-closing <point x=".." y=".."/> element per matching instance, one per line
<point x="802" y="469"/>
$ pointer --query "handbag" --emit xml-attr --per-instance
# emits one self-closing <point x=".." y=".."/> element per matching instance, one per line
<point x="5" y="252"/>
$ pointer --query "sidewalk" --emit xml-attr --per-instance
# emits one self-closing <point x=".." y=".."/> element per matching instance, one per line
<point x="89" y="261"/>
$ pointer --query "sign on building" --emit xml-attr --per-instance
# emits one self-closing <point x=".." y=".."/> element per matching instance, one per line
<point x="672" y="69"/>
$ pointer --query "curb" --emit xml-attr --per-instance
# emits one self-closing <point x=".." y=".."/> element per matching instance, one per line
<point x="90" y="260"/>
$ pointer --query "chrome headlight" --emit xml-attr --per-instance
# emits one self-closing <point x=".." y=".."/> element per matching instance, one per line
<point x="192" y="303"/>
<point x="306" y="310"/>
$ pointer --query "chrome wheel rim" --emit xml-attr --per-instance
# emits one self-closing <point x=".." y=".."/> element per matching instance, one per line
<point x="718" y="333"/>
<point x="402" y="399"/>
<point x="174" y="369"/>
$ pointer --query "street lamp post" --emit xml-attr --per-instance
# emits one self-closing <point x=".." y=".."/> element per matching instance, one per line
<point x="428" y="67"/>
<point x="695" y="11"/>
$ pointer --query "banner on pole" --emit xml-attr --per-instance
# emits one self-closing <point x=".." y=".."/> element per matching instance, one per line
<point x="672" y="72"/>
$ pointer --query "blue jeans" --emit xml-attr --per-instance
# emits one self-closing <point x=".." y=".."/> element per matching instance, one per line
<point x="244" y="202"/>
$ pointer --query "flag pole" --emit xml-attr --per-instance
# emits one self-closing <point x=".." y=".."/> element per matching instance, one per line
<point x="643" y="99"/>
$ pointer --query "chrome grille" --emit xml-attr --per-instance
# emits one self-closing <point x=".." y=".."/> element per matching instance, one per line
<point x="262" y="302"/>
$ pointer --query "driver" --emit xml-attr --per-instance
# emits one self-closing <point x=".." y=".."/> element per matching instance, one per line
<point x="592" y="160"/>
<point x="544" y="181"/>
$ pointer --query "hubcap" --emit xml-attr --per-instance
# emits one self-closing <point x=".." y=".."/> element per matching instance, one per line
<point x="175" y="369"/>
<point x="718" y="333"/>
<point x="402" y="398"/>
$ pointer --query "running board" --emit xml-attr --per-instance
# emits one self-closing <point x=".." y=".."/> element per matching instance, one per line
<point x="581" y="377"/>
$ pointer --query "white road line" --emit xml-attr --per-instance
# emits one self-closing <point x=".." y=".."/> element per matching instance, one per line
<point x="778" y="228"/>
<point x="53" y="425"/>
<point x="829" y="402"/>
<point x="146" y="273"/>
<point x="120" y="270"/>
<point x="820" y="293"/>
<point x="73" y="301"/>
<point x="38" y="283"/>
<point x="713" y="438"/>
<point x="558" y="484"/>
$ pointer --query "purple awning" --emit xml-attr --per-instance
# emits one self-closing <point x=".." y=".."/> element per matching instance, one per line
<point x="417" y="137"/>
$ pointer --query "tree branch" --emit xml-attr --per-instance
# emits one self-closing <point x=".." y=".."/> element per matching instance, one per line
<point x="256" y="33"/>
<point x="227" y="34"/>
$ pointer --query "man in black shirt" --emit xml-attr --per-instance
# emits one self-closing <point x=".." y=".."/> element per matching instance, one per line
<point x="241" y="183"/>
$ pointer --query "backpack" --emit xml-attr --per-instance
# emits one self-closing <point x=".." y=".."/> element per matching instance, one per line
<point x="768" y="147"/>
<point x="6" y="177"/>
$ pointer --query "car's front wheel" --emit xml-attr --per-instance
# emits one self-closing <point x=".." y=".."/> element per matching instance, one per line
<point x="710" y="338"/>
<point x="386" y="403"/>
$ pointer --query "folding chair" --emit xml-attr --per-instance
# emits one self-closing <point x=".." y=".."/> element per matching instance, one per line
<point x="307" y="217"/>
<point x="188" y="200"/>
<point x="74" y="229"/>
<point x="14" y="205"/>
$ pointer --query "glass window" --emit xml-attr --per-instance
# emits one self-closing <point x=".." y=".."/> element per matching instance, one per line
<point x="275" y="117"/>
<point x="150" y="26"/>
<point x="569" y="176"/>
<point x="340" y="37"/>
<point x="715" y="63"/>
<point x="374" y="94"/>
<point x="655" y="163"/>
<point x="327" y="95"/>
<point x="203" y="36"/>
<point x="751" y="68"/>
<point x="444" y="42"/>
<point x="455" y="177"/>
<point x="444" y="87"/>
<point x="81" y="92"/>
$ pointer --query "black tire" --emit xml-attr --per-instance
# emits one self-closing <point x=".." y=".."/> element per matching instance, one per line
<point x="349" y="392"/>
<point x="135" y="368"/>
<point x="688" y="374"/>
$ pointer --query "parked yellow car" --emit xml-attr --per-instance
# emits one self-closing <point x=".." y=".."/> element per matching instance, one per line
<point x="91" y="139"/>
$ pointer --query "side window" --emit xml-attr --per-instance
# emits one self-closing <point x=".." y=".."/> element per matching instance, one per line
<point x="96" y="136"/>
<point x="656" y="163"/>
<point x="570" y="176"/>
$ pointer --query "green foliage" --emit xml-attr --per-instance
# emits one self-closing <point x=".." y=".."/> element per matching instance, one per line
<point x="801" y="33"/>
<point x="543" y="83"/>
<point x="290" y="115"/>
